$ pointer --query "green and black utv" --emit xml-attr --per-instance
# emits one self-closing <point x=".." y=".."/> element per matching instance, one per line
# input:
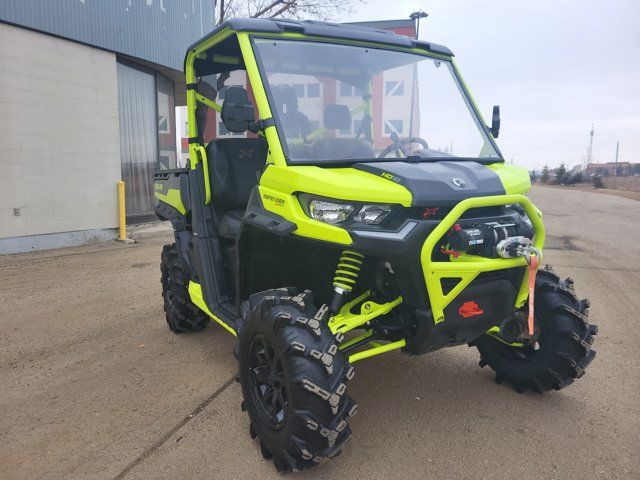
<point x="344" y="198"/>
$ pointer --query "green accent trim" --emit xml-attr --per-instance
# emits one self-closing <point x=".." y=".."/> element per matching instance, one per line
<point x="347" y="272"/>
<point x="377" y="350"/>
<point x="514" y="179"/>
<point x="354" y="253"/>
<point x="339" y="183"/>
<point x="345" y="321"/>
<point x="197" y="52"/>
<point x="205" y="170"/>
<point x="288" y="206"/>
<point x="494" y="332"/>
<point x="195" y="293"/>
<point x="226" y="59"/>
<point x="346" y="279"/>
<point x="275" y="154"/>
<point x="173" y="198"/>
<point x="468" y="267"/>
<point x="209" y="103"/>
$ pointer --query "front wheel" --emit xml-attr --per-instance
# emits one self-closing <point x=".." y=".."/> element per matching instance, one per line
<point x="293" y="379"/>
<point x="560" y="350"/>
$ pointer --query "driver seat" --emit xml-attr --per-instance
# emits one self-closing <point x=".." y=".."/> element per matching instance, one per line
<point x="234" y="167"/>
<point x="338" y="117"/>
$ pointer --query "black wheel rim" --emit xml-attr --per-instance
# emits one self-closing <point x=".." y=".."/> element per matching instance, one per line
<point x="267" y="382"/>
<point x="526" y="353"/>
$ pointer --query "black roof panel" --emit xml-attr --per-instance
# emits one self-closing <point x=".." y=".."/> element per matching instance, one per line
<point x="326" y="29"/>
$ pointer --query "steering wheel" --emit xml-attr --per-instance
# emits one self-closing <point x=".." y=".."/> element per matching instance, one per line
<point x="397" y="143"/>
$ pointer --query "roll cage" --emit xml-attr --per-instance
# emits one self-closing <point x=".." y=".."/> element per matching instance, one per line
<point x="231" y="47"/>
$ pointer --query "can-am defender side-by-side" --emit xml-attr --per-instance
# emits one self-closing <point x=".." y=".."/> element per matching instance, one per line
<point x="344" y="198"/>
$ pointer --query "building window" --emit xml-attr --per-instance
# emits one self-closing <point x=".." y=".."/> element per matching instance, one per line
<point x="166" y="122"/>
<point x="163" y="123"/>
<point x="391" y="126"/>
<point x="394" y="88"/>
<point x="165" y="162"/>
<point x="299" y="89"/>
<point x="147" y="120"/>
<point x="346" y="90"/>
<point x="313" y="90"/>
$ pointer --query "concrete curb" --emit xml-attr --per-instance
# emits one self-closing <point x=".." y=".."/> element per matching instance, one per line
<point x="150" y="230"/>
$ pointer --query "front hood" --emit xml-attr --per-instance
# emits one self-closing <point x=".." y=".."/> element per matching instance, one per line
<point x="443" y="183"/>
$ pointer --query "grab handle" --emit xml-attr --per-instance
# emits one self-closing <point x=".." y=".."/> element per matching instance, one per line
<point x="205" y="169"/>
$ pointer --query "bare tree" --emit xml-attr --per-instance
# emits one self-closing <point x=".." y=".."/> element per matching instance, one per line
<point x="319" y="9"/>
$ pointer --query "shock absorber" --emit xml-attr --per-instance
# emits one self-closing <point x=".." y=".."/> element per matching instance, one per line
<point x="345" y="278"/>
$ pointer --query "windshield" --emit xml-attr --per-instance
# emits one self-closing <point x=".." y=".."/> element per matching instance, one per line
<point x="346" y="103"/>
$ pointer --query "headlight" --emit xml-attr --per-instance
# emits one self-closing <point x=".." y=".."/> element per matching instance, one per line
<point x="372" y="214"/>
<point x="328" y="212"/>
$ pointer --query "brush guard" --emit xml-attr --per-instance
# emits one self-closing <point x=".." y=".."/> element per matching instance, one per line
<point x="466" y="267"/>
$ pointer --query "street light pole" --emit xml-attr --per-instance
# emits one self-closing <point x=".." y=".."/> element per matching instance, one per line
<point x="615" y="169"/>
<point x="416" y="16"/>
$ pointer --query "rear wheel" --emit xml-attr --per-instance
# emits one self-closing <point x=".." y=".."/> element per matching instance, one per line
<point x="560" y="349"/>
<point x="182" y="315"/>
<point x="293" y="380"/>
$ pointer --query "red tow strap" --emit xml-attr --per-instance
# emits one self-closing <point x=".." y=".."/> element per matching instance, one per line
<point x="533" y="269"/>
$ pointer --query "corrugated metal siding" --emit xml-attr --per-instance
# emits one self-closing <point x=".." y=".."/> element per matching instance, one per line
<point x="158" y="31"/>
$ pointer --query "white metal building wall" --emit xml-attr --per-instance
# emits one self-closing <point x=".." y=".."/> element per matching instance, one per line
<point x="59" y="141"/>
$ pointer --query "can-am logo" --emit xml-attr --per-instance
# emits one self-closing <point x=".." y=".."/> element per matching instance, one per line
<point x="458" y="182"/>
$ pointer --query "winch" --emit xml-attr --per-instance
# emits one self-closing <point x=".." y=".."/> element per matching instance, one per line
<point x="491" y="239"/>
<point x="495" y="239"/>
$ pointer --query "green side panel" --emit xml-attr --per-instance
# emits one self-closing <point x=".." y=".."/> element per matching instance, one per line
<point x="340" y="183"/>
<point x="287" y="206"/>
<point x="195" y="293"/>
<point x="515" y="179"/>
<point x="167" y="190"/>
<point x="279" y="187"/>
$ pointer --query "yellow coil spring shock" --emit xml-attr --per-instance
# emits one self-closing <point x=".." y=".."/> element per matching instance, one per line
<point x="345" y="277"/>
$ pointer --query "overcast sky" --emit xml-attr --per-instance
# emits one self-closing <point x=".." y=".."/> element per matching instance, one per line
<point x="554" y="66"/>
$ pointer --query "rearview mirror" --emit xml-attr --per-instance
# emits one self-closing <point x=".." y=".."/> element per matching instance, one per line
<point x="495" y="121"/>
<point x="237" y="112"/>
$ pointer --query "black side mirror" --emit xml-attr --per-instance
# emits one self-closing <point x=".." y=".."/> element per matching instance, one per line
<point x="237" y="112"/>
<point x="495" y="121"/>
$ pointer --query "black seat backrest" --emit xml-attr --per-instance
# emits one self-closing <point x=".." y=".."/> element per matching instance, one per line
<point x="295" y="123"/>
<point x="234" y="165"/>
<point x="338" y="117"/>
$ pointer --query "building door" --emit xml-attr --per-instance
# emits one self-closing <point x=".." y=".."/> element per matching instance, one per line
<point x="138" y="139"/>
